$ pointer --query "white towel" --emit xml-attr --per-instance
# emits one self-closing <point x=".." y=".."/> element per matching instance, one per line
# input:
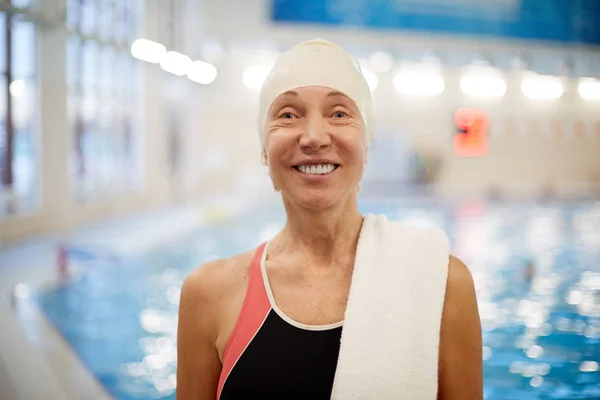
<point x="390" y="340"/>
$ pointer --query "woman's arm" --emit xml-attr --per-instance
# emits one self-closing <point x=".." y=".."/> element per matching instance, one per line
<point x="460" y="362"/>
<point x="198" y="365"/>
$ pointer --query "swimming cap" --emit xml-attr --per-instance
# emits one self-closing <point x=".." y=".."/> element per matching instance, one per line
<point x="317" y="62"/>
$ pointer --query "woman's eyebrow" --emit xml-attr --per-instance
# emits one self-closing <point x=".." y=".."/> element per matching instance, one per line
<point x="289" y="93"/>
<point x="281" y="98"/>
<point x="336" y="93"/>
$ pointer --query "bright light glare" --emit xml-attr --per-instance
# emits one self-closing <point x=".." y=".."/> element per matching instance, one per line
<point x="175" y="63"/>
<point x="419" y="83"/>
<point x="17" y="87"/>
<point x="371" y="79"/>
<point x="21" y="291"/>
<point x="483" y="86"/>
<point x="589" y="366"/>
<point x="255" y="75"/>
<point x="542" y="88"/>
<point x="589" y="88"/>
<point x="381" y="61"/>
<point x="202" y="72"/>
<point x="147" y="50"/>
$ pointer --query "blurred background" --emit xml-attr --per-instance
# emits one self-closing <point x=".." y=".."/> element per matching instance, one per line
<point x="129" y="156"/>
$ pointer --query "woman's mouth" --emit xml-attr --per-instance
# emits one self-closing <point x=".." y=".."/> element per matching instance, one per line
<point x="316" y="169"/>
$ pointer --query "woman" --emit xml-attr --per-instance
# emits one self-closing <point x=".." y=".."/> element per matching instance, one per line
<point x="267" y="323"/>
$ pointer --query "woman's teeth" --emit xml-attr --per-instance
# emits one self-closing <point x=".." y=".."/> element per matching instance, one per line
<point x="317" y="169"/>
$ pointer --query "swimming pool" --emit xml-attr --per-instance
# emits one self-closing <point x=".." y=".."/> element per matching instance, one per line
<point x="541" y="335"/>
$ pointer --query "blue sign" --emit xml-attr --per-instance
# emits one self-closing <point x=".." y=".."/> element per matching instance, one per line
<point x="571" y="21"/>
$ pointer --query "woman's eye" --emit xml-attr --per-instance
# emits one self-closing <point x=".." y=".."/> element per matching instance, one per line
<point x="287" y="115"/>
<point x="340" y="114"/>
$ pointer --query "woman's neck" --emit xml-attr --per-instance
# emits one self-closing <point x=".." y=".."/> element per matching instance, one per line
<point x="324" y="235"/>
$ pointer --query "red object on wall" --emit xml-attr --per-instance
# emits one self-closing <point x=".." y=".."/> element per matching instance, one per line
<point x="472" y="141"/>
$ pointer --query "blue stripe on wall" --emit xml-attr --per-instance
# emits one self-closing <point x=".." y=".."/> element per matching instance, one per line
<point x="575" y="21"/>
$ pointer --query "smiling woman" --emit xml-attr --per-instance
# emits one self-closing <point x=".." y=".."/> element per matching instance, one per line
<point x="315" y="118"/>
<point x="310" y="313"/>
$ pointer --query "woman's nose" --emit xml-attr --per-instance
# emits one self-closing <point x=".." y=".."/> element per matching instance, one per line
<point x="316" y="134"/>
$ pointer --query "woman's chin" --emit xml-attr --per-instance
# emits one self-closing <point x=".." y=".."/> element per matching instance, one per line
<point x="315" y="199"/>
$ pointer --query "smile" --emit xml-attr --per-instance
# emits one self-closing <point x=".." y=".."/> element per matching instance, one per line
<point x="316" y="169"/>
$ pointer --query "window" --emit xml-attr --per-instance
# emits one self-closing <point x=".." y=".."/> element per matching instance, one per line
<point x="104" y="96"/>
<point x="22" y="3"/>
<point x="18" y="136"/>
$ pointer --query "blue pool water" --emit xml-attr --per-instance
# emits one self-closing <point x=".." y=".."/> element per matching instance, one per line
<point x="541" y="335"/>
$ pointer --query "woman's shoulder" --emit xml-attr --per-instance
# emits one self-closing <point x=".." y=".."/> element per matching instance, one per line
<point x="460" y="292"/>
<point x="460" y="351"/>
<point x="211" y="287"/>
<point x="217" y="279"/>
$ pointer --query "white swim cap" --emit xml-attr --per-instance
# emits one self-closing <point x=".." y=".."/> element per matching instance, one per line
<point x="317" y="63"/>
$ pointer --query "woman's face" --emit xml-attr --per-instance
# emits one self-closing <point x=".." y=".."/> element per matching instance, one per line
<point x="315" y="146"/>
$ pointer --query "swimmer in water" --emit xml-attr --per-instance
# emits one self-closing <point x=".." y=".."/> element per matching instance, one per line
<point x="529" y="272"/>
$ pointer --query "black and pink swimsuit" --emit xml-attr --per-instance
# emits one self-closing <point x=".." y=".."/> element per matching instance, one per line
<point x="271" y="356"/>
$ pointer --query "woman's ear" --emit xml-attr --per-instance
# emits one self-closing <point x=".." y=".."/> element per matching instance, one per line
<point x="265" y="161"/>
